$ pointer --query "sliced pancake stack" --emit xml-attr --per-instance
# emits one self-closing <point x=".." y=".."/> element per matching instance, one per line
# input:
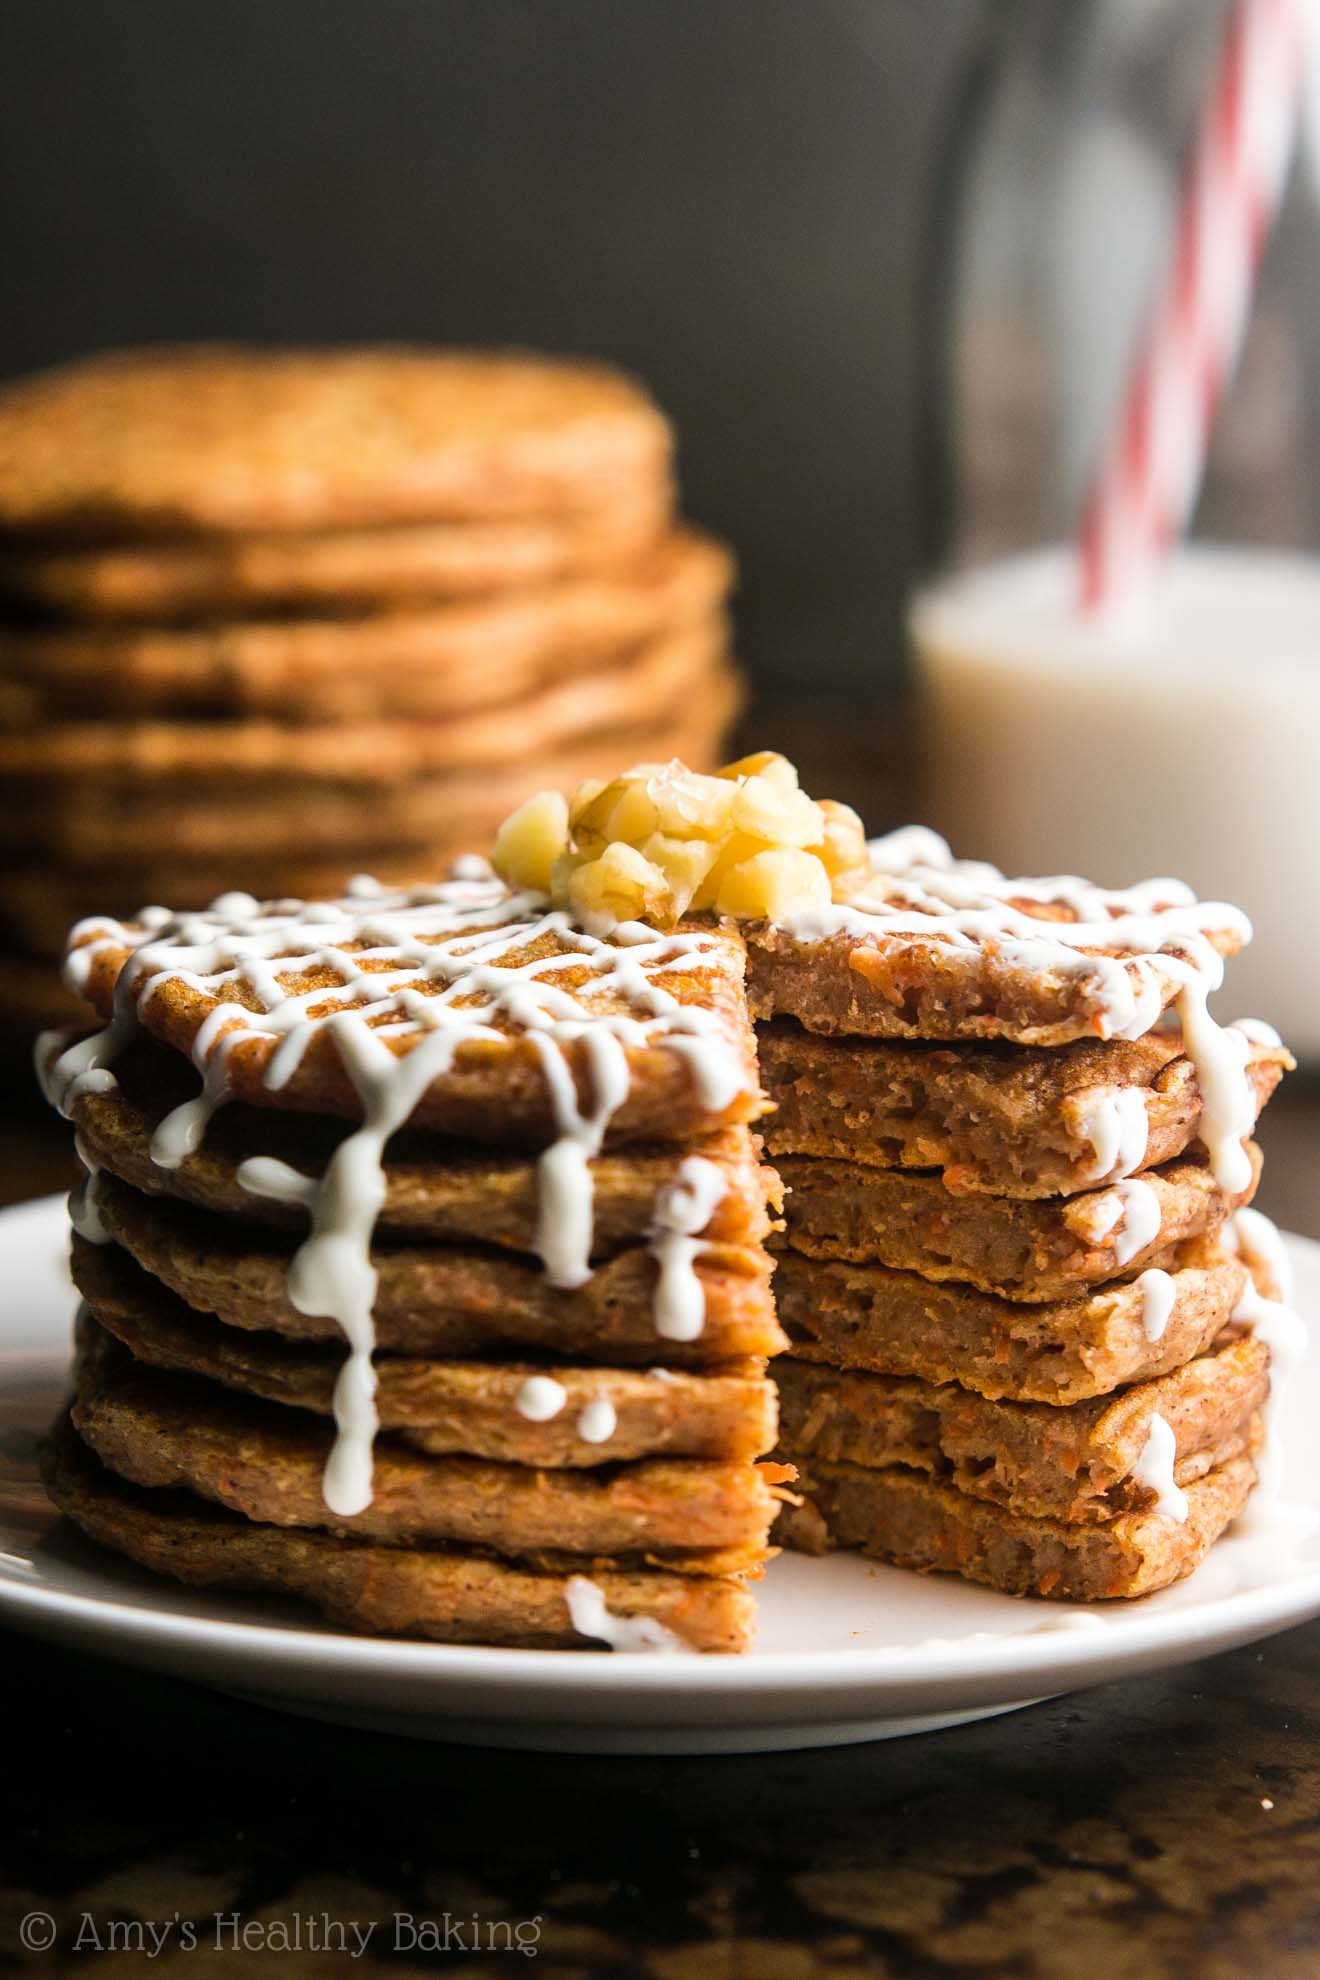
<point x="472" y="1166"/>
<point x="275" y="618"/>
<point x="510" y="1162"/>
<point x="1032" y="1324"/>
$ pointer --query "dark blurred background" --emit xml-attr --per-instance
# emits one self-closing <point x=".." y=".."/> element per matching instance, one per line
<point x="726" y="196"/>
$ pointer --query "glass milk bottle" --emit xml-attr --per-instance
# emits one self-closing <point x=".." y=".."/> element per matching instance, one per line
<point x="1182" y="737"/>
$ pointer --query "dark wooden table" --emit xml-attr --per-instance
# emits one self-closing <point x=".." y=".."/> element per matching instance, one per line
<point x="1169" y="1826"/>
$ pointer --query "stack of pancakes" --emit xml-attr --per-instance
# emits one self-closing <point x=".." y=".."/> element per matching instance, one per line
<point x="500" y="1147"/>
<point x="558" y="1265"/>
<point x="1031" y="1335"/>
<point x="275" y="618"/>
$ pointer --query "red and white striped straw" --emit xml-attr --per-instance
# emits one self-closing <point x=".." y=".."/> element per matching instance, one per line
<point x="1149" y="479"/>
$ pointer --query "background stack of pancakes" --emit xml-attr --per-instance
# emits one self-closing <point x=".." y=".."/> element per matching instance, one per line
<point x="275" y="618"/>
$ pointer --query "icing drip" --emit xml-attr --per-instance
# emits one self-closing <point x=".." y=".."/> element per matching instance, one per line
<point x="1283" y="1332"/>
<point x="182" y="1132"/>
<point x="598" y="1421"/>
<point x="566" y="1222"/>
<point x="1154" y="1469"/>
<point x="1117" y="1126"/>
<point x="455" y="940"/>
<point x="1257" y="1032"/>
<point x="1228" y="1107"/>
<point x="590" y="1617"/>
<point x="922" y="891"/>
<point x="540" y="1398"/>
<point x="1140" y="1215"/>
<point x="1159" y="1294"/>
<point x="266" y="1175"/>
<point x="1104" y="1216"/>
<point x="683" y="1208"/>
<point x="84" y="1207"/>
<point x="1259" y="1243"/>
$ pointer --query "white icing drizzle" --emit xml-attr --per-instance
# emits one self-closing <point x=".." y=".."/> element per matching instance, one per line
<point x="181" y="1132"/>
<point x="598" y="1422"/>
<point x="266" y="1175"/>
<point x="565" y="1223"/>
<point x="1259" y="1243"/>
<point x="1283" y="1332"/>
<point x="1118" y="1127"/>
<point x="590" y="1616"/>
<point x="1228" y="1106"/>
<point x="1154" y="1469"/>
<point x="1141" y="1218"/>
<point x="84" y="1205"/>
<point x="1104" y="1215"/>
<point x="922" y="891"/>
<point x="434" y="972"/>
<point x="1257" y="1032"/>
<point x="682" y="1209"/>
<point x="1159" y="1294"/>
<point x="540" y="1398"/>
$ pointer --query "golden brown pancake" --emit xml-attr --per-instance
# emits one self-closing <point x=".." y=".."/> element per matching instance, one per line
<point x="994" y="1119"/>
<point x="1031" y="1458"/>
<point x="434" y="664"/>
<point x="1059" y="1352"/>
<point x="441" y="1299"/>
<point x="1046" y="1249"/>
<point x="449" y="1594"/>
<point x="434" y="1189"/>
<point x="913" y="1521"/>
<point x="203" y="439"/>
<point x="266" y="1462"/>
<point x="877" y="985"/>
<point x="330" y="571"/>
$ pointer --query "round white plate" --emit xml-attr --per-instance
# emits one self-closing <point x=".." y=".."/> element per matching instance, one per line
<point x="847" y="1651"/>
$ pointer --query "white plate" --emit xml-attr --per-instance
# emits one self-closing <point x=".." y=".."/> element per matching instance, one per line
<point x="847" y="1651"/>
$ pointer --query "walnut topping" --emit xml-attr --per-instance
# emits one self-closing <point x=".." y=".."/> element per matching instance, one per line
<point x="661" y="841"/>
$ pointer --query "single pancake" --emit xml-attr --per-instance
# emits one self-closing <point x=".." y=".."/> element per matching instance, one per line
<point x="267" y="1463"/>
<point x="1042" y="1250"/>
<point x="1032" y="1458"/>
<point x="911" y="1520"/>
<point x="114" y="821"/>
<point x="210" y="438"/>
<point x="440" y="664"/>
<point x="449" y="1594"/>
<point x="998" y="1120"/>
<point x="442" y="1299"/>
<point x="1063" y="1351"/>
<point x="929" y="946"/>
<point x="202" y="577"/>
<point x="438" y="1189"/>
<point x="474" y="1408"/>
<point x="503" y="973"/>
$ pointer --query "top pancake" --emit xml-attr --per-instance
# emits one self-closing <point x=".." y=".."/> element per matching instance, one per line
<point x="523" y="1020"/>
<point x="180" y="441"/>
<point x="933" y="947"/>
